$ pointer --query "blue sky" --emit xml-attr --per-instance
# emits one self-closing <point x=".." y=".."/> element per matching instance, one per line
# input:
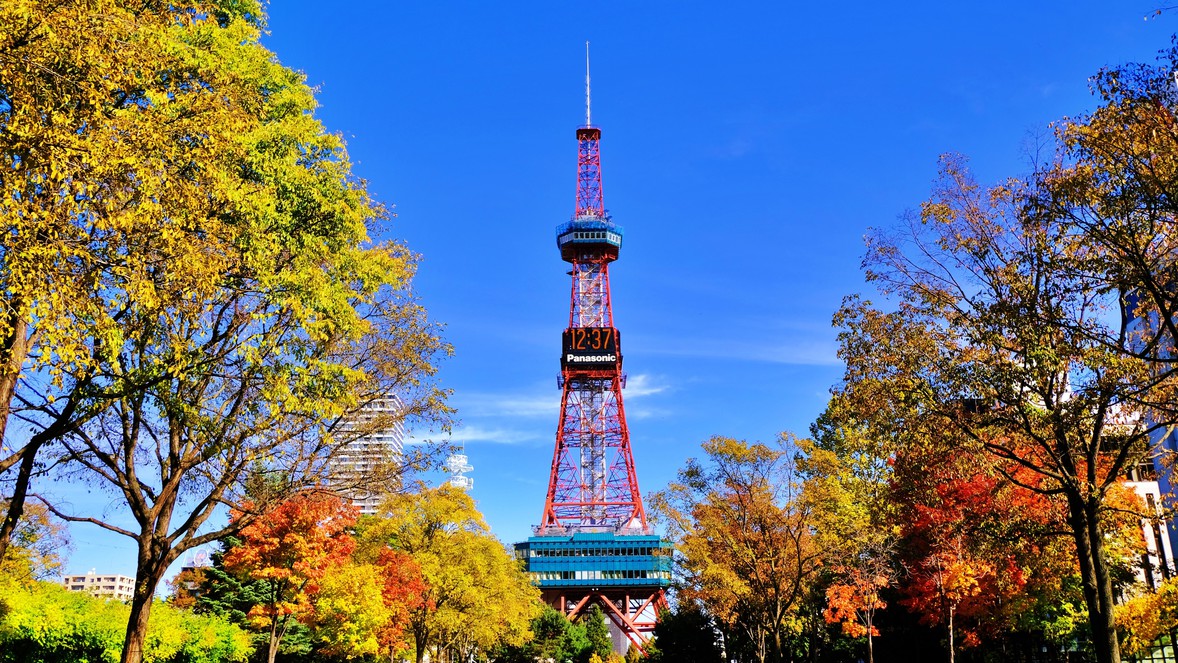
<point x="747" y="147"/>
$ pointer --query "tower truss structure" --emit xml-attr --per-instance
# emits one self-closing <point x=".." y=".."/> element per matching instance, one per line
<point x="593" y="544"/>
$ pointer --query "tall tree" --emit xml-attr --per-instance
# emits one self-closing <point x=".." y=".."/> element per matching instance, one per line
<point x="744" y="533"/>
<point x="848" y="470"/>
<point x="1006" y="340"/>
<point x="597" y="632"/>
<point x="232" y="309"/>
<point x="101" y="104"/>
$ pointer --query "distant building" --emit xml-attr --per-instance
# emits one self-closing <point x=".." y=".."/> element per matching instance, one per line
<point x="458" y="466"/>
<point x="377" y="441"/>
<point x="1165" y="440"/>
<point x="117" y="587"/>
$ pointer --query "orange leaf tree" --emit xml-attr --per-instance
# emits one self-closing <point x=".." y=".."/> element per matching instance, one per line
<point x="852" y="601"/>
<point x="1008" y="338"/>
<point x="288" y="552"/>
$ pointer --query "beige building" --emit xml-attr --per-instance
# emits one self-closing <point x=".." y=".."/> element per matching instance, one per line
<point x="114" y="586"/>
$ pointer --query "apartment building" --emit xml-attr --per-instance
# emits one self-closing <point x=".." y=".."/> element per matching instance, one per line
<point x="114" y="586"/>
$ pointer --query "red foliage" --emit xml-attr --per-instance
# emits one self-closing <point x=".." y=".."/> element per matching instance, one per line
<point x="403" y="592"/>
<point x="291" y="548"/>
<point x="978" y="547"/>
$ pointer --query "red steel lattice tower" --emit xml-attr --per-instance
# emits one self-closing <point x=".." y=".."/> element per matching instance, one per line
<point x="593" y="485"/>
<point x="593" y="545"/>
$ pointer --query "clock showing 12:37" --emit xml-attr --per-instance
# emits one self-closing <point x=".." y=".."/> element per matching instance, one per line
<point x="590" y="345"/>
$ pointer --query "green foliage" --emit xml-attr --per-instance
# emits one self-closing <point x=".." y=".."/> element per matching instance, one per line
<point x="685" y="634"/>
<point x="596" y="632"/>
<point x="554" y="637"/>
<point x="44" y="623"/>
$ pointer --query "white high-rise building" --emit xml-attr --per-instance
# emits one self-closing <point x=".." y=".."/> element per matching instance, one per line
<point x="377" y="442"/>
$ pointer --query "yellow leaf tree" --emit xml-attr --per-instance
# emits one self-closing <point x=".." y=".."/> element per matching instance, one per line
<point x="476" y="595"/>
<point x="191" y="301"/>
<point x="744" y="533"/>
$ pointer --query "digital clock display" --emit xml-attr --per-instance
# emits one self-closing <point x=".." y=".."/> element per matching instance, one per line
<point x="591" y="347"/>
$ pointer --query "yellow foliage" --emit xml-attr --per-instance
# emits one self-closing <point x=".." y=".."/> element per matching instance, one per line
<point x="477" y="596"/>
<point x="1147" y="616"/>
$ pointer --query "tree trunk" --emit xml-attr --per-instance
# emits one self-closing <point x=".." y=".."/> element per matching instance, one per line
<point x="870" y="644"/>
<point x="951" y="610"/>
<point x="1095" y="578"/>
<point x="20" y="490"/>
<point x="420" y="642"/>
<point x="275" y="640"/>
<point x="15" y="349"/>
<point x="147" y="578"/>
<point x="155" y="555"/>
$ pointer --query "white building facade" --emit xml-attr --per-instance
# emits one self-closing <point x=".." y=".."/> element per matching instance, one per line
<point x="364" y="466"/>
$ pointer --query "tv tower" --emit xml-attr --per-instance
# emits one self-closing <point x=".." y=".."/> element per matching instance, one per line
<point x="593" y="544"/>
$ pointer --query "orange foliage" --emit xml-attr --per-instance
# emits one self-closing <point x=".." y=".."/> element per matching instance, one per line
<point x="404" y="591"/>
<point x="290" y="549"/>
<point x="853" y="600"/>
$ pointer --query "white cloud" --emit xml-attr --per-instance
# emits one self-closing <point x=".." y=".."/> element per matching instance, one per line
<point x="648" y="413"/>
<point x="642" y="384"/>
<point x="474" y="434"/>
<point x="509" y="405"/>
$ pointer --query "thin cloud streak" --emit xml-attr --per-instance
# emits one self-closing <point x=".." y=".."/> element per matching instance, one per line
<point x="509" y="405"/>
<point x="642" y="384"/>
<point x="516" y="406"/>
<point x="475" y="434"/>
<point x="810" y="353"/>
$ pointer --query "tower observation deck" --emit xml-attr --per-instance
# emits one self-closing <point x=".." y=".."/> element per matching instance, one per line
<point x="593" y="544"/>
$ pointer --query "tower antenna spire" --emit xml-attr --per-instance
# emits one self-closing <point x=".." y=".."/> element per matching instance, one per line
<point x="588" y="120"/>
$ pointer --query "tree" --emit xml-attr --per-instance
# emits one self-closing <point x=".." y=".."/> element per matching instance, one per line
<point x="597" y="632"/>
<point x="852" y="601"/>
<point x="554" y="638"/>
<point x="1005" y="339"/>
<point x="289" y="553"/>
<point x="476" y="595"/>
<point x="1147" y="616"/>
<point x="233" y="309"/>
<point x="350" y="611"/>
<point x="848" y="470"/>
<point x="185" y="587"/>
<point x="685" y="634"/>
<point x="744" y="533"/>
<point x="95" y="105"/>
<point x="403" y="591"/>
<point x="38" y="544"/>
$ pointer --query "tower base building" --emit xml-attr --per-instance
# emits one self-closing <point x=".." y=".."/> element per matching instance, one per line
<point x="624" y="574"/>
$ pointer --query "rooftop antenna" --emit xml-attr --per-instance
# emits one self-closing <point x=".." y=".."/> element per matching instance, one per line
<point x="588" y="121"/>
